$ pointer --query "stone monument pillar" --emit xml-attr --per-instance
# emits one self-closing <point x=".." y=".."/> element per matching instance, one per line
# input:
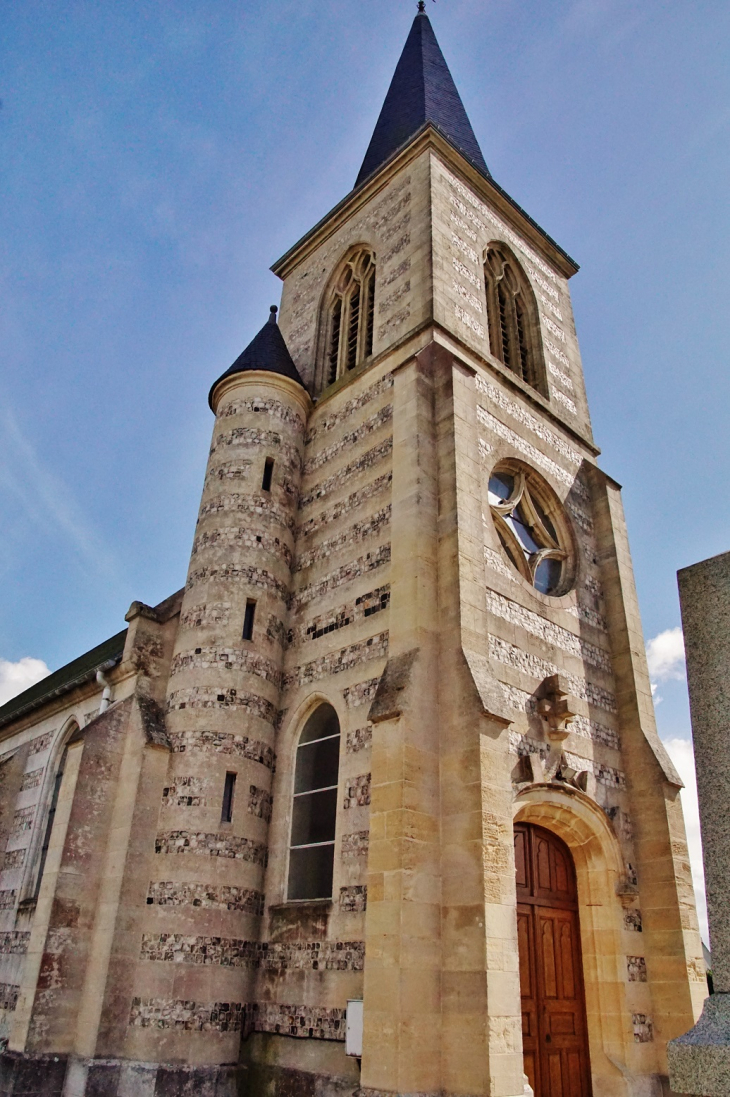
<point x="699" y="1061"/>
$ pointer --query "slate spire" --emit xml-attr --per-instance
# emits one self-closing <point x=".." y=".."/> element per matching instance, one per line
<point x="422" y="90"/>
<point x="267" y="351"/>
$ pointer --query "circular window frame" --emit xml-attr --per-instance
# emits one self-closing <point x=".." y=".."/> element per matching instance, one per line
<point x="529" y="485"/>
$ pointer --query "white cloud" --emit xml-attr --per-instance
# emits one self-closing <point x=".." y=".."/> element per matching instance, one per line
<point x="681" y="753"/>
<point x="15" y="677"/>
<point x="665" y="656"/>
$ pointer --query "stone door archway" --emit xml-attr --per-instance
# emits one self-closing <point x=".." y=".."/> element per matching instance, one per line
<point x="554" y="1027"/>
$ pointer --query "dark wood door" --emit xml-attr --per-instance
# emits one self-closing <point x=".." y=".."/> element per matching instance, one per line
<point x="554" y="1034"/>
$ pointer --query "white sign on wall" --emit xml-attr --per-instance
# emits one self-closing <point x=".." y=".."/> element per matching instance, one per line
<point x="353" y="1028"/>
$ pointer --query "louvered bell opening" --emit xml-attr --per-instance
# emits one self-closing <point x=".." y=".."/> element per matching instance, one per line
<point x="522" y="339"/>
<point x="334" y="351"/>
<point x="353" y="328"/>
<point x="370" y="316"/>
<point x="503" y="329"/>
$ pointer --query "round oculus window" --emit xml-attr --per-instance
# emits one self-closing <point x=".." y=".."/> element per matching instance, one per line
<point x="531" y="526"/>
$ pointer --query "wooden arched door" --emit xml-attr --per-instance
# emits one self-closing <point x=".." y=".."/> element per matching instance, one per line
<point x="554" y="1032"/>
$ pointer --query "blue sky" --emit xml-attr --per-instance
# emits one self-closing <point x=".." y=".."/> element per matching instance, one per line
<point x="157" y="158"/>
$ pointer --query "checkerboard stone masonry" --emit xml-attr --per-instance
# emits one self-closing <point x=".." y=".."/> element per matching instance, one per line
<point x="258" y="578"/>
<point x="537" y="668"/>
<point x="359" y="739"/>
<point x="341" y="576"/>
<point x="347" y="539"/>
<point x="347" y="614"/>
<point x="243" y="538"/>
<point x="259" y="802"/>
<point x="186" y="1015"/>
<point x="14" y="943"/>
<point x="355" y="844"/>
<point x="643" y="1028"/>
<point x="632" y="920"/>
<point x="553" y="635"/>
<point x="204" y="844"/>
<point x="204" y="697"/>
<point x="9" y="993"/>
<point x="41" y="743"/>
<point x="14" y="858"/>
<point x="32" y="779"/>
<point x="337" y="480"/>
<point x="257" y="507"/>
<point x="250" y="436"/>
<point x="360" y="694"/>
<point x="211" y="896"/>
<point x="357" y="792"/>
<point x="181" y="949"/>
<point x="269" y="407"/>
<point x="348" y="440"/>
<point x="354" y="898"/>
<point x="206" y="658"/>
<point x="22" y="820"/>
<point x="636" y="968"/>
<point x="226" y="744"/>
<point x="345" y="506"/>
<point x="303" y="1022"/>
<point x="185" y="792"/>
<point x="345" y="411"/>
<point x="375" y="647"/>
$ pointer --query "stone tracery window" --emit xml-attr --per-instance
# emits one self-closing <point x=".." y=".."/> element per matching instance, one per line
<point x="531" y="527"/>
<point x="350" y="317"/>
<point x="512" y="314"/>
<point x="314" y="813"/>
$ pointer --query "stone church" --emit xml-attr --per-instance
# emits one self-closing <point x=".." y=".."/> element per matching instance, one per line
<point x="375" y="805"/>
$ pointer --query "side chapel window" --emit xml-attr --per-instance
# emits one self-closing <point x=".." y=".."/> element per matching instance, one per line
<point x="351" y="316"/>
<point x="314" y="814"/>
<point x="50" y="818"/>
<point x="512" y="317"/>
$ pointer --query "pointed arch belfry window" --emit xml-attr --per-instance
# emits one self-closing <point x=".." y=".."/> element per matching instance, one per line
<point x="350" y="316"/>
<point x="513" y="320"/>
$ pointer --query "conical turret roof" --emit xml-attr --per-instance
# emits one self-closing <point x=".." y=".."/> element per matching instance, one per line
<point x="422" y="90"/>
<point x="267" y="351"/>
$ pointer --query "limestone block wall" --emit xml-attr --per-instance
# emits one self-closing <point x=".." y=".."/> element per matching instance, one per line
<point x="30" y="753"/>
<point x="337" y="644"/>
<point x="533" y="636"/>
<point x="395" y="223"/>
<point x="463" y="225"/>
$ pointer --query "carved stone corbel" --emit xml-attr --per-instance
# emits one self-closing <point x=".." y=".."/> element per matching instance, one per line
<point x="556" y="708"/>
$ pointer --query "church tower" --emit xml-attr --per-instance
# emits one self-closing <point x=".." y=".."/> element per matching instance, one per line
<point x="378" y="808"/>
<point x="508" y="816"/>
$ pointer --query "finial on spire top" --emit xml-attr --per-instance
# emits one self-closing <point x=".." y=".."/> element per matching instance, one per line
<point x="272" y="314"/>
<point x="422" y="7"/>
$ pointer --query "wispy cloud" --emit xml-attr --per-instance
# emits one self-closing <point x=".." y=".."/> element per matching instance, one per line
<point x="15" y="677"/>
<point x="46" y="500"/>
<point x="665" y="656"/>
<point x="681" y="753"/>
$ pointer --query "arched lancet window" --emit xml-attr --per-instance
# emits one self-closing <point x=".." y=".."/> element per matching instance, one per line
<point x="512" y="312"/>
<point x="350" y="315"/>
<point x="314" y="814"/>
